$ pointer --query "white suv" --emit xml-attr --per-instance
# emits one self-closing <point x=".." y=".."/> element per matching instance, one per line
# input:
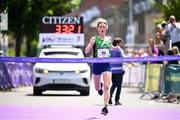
<point x="61" y="76"/>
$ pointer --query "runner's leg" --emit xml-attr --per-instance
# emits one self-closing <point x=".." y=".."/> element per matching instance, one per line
<point x="107" y="81"/>
<point x="97" y="79"/>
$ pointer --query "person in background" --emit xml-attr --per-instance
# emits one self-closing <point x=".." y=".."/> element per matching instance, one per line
<point x="173" y="32"/>
<point x="117" y="71"/>
<point x="128" y="52"/>
<point x="142" y="52"/>
<point x="175" y="50"/>
<point x="152" y="49"/>
<point x="101" y="45"/>
<point x="159" y="39"/>
<point x="164" y="37"/>
<point x="170" y="52"/>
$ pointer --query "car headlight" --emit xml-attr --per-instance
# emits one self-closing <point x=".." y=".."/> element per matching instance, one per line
<point x="42" y="71"/>
<point x="83" y="71"/>
<point x="77" y="71"/>
<point x="80" y="71"/>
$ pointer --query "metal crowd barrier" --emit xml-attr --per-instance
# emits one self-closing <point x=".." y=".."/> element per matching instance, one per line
<point x="134" y="75"/>
<point x="162" y="81"/>
<point x="154" y="80"/>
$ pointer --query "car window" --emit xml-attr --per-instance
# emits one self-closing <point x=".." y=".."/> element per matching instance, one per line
<point x="61" y="53"/>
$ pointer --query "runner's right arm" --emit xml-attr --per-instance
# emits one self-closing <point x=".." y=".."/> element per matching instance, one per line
<point x="90" y="45"/>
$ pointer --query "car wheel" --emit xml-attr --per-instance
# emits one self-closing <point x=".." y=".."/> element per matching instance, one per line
<point x="37" y="91"/>
<point x="84" y="93"/>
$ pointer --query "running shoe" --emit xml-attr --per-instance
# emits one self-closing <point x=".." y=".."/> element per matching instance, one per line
<point x="110" y="101"/>
<point x="100" y="91"/>
<point x="104" y="111"/>
<point x="118" y="103"/>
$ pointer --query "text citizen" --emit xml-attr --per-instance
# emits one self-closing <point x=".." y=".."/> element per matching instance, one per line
<point x="60" y="20"/>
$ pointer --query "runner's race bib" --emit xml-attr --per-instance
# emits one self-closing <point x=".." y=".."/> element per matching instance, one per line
<point x="103" y="53"/>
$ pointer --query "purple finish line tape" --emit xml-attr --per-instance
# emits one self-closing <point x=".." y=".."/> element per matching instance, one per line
<point x="87" y="60"/>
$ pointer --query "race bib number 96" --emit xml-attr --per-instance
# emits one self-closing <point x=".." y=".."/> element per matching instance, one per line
<point x="102" y="53"/>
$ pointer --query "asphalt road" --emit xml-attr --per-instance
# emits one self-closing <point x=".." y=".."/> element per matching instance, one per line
<point x="19" y="103"/>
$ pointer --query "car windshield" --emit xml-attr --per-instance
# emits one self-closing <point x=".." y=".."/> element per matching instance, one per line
<point x="63" y="54"/>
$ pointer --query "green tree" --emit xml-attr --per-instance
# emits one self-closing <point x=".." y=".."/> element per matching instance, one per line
<point x="172" y="7"/>
<point x="24" y="17"/>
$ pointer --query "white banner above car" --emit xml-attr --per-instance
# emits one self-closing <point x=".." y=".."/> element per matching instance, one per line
<point x="61" y="39"/>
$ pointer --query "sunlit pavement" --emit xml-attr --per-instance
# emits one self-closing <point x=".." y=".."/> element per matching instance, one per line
<point x="20" y="104"/>
<point x="86" y="113"/>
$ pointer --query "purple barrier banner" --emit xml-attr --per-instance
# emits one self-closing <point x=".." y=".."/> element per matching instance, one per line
<point x="16" y="74"/>
<point x="5" y="79"/>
